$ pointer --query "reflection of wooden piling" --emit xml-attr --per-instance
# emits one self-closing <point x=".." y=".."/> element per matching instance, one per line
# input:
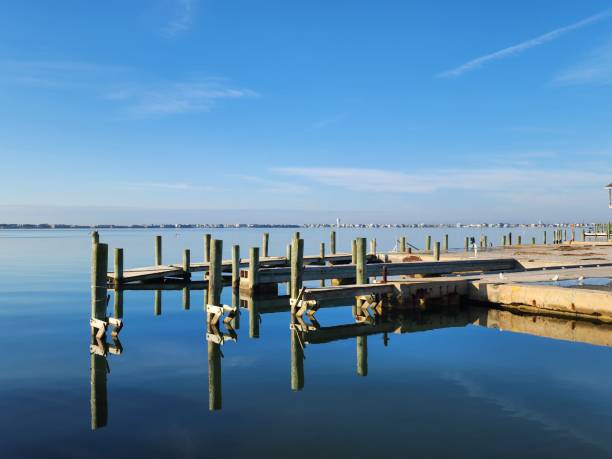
<point x="99" y="268"/>
<point x="236" y="303"/>
<point x="215" y="279"/>
<point x="253" y="268"/>
<point x="98" y="397"/>
<point x="362" y="355"/>
<point x="361" y="257"/>
<point x="332" y="243"/>
<point x="264" y="245"/>
<point x="207" y="238"/>
<point x="253" y="318"/>
<point x="158" y="250"/>
<point x="157" y="303"/>
<point x="297" y="363"/>
<point x="297" y="266"/>
<point x="118" y="266"/>
<point x="436" y="253"/>
<point x="186" y="298"/>
<point x="214" y="376"/>
<point x="118" y="304"/>
<point x="235" y="266"/>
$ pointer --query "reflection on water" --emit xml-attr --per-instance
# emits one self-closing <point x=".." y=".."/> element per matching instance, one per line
<point x="364" y="320"/>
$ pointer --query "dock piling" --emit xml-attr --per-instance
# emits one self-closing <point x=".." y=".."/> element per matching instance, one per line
<point x="466" y="244"/>
<point x="118" y="267"/>
<point x="436" y="253"/>
<point x="253" y="268"/>
<point x="264" y="244"/>
<point x="207" y="238"/>
<point x="332" y="243"/>
<point x="158" y="250"/>
<point x="446" y="242"/>
<point x="297" y="266"/>
<point x="373" y="246"/>
<point x="402" y="244"/>
<point x="99" y="268"/>
<point x="360" y="255"/>
<point x="215" y="279"/>
<point x="428" y="243"/>
<point x="235" y="266"/>
<point x="187" y="264"/>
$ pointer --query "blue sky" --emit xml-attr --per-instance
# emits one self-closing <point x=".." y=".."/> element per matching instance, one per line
<point x="204" y="110"/>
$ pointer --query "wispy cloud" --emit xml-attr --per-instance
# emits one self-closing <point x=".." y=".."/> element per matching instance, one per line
<point x="428" y="181"/>
<point x="524" y="46"/>
<point x="596" y="69"/>
<point x="183" y="20"/>
<point x="271" y="185"/>
<point x="175" y="97"/>
<point x="177" y="186"/>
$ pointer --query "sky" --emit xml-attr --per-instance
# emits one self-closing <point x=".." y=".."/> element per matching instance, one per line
<point x="196" y="111"/>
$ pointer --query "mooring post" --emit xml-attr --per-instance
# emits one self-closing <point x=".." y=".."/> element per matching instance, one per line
<point x="545" y="241"/>
<point x="533" y="240"/>
<point x="362" y="356"/>
<point x="510" y="238"/>
<point x="519" y="240"/>
<point x="118" y="267"/>
<point x="297" y="266"/>
<point x="332" y="242"/>
<point x="486" y="241"/>
<point x="264" y="244"/>
<point x="504" y="240"/>
<point x="353" y="252"/>
<point x="361" y="274"/>
<point x="95" y="237"/>
<point x="583" y="235"/>
<point x="207" y="238"/>
<point x="446" y="242"/>
<point x="253" y="268"/>
<point x="428" y="243"/>
<point x="403" y="244"/>
<point x="158" y="250"/>
<point x="187" y="264"/>
<point x="235" y="266"/>
<point x="373" y="246"/>
<point x="297" y="362"/>
<point x="99" y="269"/>
<point x="436" y="253"/>
<point x="215" y="279"/>
<point x="466" y="244"/>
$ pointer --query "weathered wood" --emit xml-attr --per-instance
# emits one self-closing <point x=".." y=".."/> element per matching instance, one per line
<point x="446" y="243"/>
<point x="373" y="246"/>
<point x="99" y="267"/>
<point x="207" y="239"/>
<point x="264" y="244"/>
<point x="332" y="243"/>
<point x="466" y="244"/>
<point x="118" y="266"/>
<point x="360" y="265"/>
<point x="402" y="244"/>
<point x="158" y="250"/>
<point x="545" y="238"/>
<point x="215" y="279"/>
<point x="353" y="251"/>
<point x="297" y="266"/>
<point x="520" y="239"/>
<point x="95" y="237"/>
<point x="235" y="266"/>
<point x="253" y="268"/>
<point x="347" y="291"/>
<point x="187" y="263"/>
<point x="436" y="252"/>
<point x="533" y="241"/>
<point x="428" y="243"/>
<point x="510" y="238"/>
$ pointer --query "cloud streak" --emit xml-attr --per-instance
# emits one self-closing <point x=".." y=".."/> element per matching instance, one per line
<point x="596" y="69"/>
<point x="524" y="46"/>
<point x="183" y="20"/>
<point x="485" y="179"/>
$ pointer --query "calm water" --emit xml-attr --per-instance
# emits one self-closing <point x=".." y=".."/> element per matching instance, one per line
<point x="461" y="391"/>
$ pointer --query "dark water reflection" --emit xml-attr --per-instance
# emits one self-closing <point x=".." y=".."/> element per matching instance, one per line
<point x="449" y="384"/>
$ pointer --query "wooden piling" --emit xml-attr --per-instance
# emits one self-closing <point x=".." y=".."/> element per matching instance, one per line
<point x="533" y="240"/>
<point x="486" y="241"/>
<point x="428" y="243"/>
<point x="118" y="267"/>
<point x="158" y="250"/>
<point x="95" y="237"/>
<point x="402" y="245"/>
<point x="215" y="279"/>
<point x="353" y="252"/>
<point x="207" y="239"/>
<point x="99" y="268"/>
<point x="510" y="238"/>
<point x="322" y="256"/>
<point x="264" y="244"/>
<point x="360" y="261"/>
<point x="187" y="263"/>
<point x="373" y="246"/>
<point x="583" y="235"/>
<point x="446" y="242"/>
<point x="504" y="237"/>
<point x="235" y="266"/>
<point x="332" y="243"/>
<point x="362" y="355"/>
<point x="297" y="266"/>
<point x="545" y="237"/>
<point x="253" y="268"/>
<point x="466" y="243"/>
<point x="436" y="253"/>
<point x="519" y="240"/>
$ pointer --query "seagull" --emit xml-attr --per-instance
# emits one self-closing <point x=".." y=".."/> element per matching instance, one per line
<point x="555" y="278"/>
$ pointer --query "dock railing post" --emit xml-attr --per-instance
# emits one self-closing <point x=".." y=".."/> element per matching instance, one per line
<point x="332" y="243"/>
<point x="264" y="244"/>
<point x="436" y="253"/>
<point x="235" y="267"/>
<point x="297" y="266"/>
<point x="118" y="267"/>
<point x="253" y="268"/>
<point x="361" y="274"/>
<point x="158" y="250"/>
<point x="207" y="239"/>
